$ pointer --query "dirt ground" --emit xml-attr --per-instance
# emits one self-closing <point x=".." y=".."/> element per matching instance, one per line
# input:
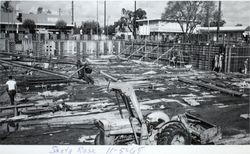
<point x="150" y="83"/>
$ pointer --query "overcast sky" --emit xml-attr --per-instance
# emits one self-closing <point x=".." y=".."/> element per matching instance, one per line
<point x="234" y="12"/>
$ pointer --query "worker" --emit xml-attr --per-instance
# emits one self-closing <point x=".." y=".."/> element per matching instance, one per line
<point x="11" y="89"/>
<point x="83" y="73"/>
<point x="220" y="62"/>
<point x="173" y="60"/>
<point x="245" y="66"/>
<point x="216" y="59"/>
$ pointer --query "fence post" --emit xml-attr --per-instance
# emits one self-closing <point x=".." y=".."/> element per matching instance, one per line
<point x="78" y="52"/>
<point x="226" y="64"/>
<point x="209" y="61"/>
<point x="97" y="48"/>
<point x="229" y="58"/>
<point x="133" y="47"/>
<point x="145" y="49"/>
<point x="84" y="50"/>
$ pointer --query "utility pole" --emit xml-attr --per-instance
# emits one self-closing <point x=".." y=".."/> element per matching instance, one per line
<point x="218" y="22"/>
<point x="105" y="16"/>
<point x="97" y="19"/>
<point x="134" y="22"/>
<point x="60" y="12"/>
<point x="208" y="23"/>
<point x="72" y="12"/>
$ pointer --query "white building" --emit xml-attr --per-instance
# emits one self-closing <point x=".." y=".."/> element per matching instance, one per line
<point x="226" y="34"/>
<point x="158" y="29"/>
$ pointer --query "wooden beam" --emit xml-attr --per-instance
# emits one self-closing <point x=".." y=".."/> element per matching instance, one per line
<point x="40" y="70"/>
<point x="124" y="50"/>
<point x="229" y="59"/>
<point x="220" y="84"/>
<point x="75" y="72"/>
<point x="164" y="54"/>
<point x="226" y="59"/>
<point x="109" y="76"/>
<point x="209" y="86"/>
<point x="16" y="106"/>
<point x="146" y="53"/>
<point x="136" y="51"/>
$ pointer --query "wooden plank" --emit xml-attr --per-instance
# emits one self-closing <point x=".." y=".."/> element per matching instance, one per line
<point x="150" y="52"/>
<point x="40" y="70"/>
<point x="209" y="86"/>
<point x="226" y="60"/>
<point x="220" y="84"/>
<point x="164" y="54"/>
<point x="17" y="106"/>
<point x="109" y="76"/>
<point x="229" y="59"/>
<point x="135" y="52"/>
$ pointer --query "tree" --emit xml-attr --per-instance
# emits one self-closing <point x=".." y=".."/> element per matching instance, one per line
<point x="238" y="25"/>
<point x="39" y="10"/>
<point x="187" y="13"/>
<point x="90" y="26"/>
<point x="61" y="25"/>
<point x="48" y="12"/>
<point x="209" y="8"/>
<point x="110" y="30"/>
<point x="127" y="19"/>
<point x="6" y="7"/>
<point x="214" y="18"/>
<point x="29" y="24"/>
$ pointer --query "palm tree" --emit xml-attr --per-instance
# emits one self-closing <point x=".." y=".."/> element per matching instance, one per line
<point x="8" y="9"/>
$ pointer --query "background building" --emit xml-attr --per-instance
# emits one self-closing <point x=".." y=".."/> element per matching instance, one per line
<point x="158" y="29"/>
<point x="45" y="23"/>
<point x="235" y="34"/>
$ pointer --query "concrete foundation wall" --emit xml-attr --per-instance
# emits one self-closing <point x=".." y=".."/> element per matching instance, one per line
<point x="63" y="48"/>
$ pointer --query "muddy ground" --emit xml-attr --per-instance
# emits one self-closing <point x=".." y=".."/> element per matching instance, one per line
<point x="150" y="83"/>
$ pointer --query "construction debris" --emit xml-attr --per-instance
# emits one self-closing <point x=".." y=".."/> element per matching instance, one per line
<point x="150" y="73"/>
<point x="245" y="116"/>
<point x="191" y="101"/>
<point x="240" y="139"/>
<point x="87" y="139"/>
<point x="56" y="98"/>
<point x="210" y="86"/>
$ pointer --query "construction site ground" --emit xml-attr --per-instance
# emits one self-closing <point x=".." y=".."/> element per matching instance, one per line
<point x="157" y="88"/>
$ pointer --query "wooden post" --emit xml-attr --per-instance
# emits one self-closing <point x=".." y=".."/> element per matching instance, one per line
<point x="133" y="48"/>
<point x="226" y="60"/>
<point x="229" y="59"/>
<point x="84" y="50"/>
<point x="15" y="109"/>
<point x="97" y="49"/>
<point x="145" y="49"/>
<point x="78" y="53"/>
<point x="209" y="61"/>
<point x="105" y="47"/>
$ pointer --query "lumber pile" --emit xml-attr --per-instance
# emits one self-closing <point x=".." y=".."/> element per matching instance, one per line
<point x="41" y="70"/>
<point x="211" y="86"/>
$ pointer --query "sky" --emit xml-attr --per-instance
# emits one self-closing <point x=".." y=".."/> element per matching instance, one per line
<point x="234" y="12"/>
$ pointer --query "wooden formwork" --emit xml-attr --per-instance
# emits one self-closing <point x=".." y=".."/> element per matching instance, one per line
<point x="199" y="56"/>
<point x="235" y="57"/>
